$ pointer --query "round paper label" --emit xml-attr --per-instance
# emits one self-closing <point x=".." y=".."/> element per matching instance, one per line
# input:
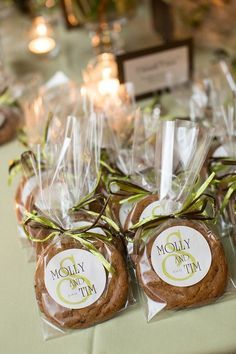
<point x="158" y="208"/>
<point x="221" y="151"/>
<point x="125" y="209"/>
<point x="75" y="278"/>
<point x="95" y="230"/>
<point x="153" y="209"/>
<point x="181" y="256"/>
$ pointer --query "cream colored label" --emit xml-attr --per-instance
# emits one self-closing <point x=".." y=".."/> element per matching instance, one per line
<point x="153" y="209"/>
<point x="181" y="256"/>
<point x="96" y="230"/>
<point x="124" y="211"/>
<point x="157" y="208"/>
<point x="75" y="278"/>
<point x="225" y="150"/>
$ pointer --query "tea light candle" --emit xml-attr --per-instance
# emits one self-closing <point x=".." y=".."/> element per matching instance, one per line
<point x="42" y="41"/>
<point x="108" y="85"/>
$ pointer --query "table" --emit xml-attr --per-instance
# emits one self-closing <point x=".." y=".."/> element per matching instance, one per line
<point x="210" y="329"/>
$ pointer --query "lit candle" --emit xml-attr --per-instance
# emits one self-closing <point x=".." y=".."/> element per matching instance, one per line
<point x="108" y="85"/>
<point x="41" y="43"/>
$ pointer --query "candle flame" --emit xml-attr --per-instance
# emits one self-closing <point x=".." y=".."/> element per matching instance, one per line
<point x="41" y="29"/>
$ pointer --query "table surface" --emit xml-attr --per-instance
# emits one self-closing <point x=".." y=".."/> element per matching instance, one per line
<point x="209" y="329"/>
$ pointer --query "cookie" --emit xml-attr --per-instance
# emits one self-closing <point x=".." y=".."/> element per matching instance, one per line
<point x="9" y="123"/>
<point x="18" y="201"/>
<point x="183" y="264"/>
<point x="72" y="287"/>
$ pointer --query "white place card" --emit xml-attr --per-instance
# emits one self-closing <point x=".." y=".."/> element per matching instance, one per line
<point x="155" y="69"/>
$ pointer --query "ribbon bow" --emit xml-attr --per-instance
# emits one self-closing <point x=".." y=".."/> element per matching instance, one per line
<point x="80" y="234"/>
<point x="194" y="208"/>
<point x="127" y="189"/>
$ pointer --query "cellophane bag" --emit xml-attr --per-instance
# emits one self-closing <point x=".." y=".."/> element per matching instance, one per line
<point x="29" y="180"/>
<point x="181" y="258"/>
<point x="134" y="161"/>
<point x="45" y="100"/>
<point x="47" y="129"/>
<point x="81" y="276"/>
<point x="222" y="161"/>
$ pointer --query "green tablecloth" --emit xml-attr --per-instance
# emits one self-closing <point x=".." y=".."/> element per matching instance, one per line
<point x="210" y="329"/>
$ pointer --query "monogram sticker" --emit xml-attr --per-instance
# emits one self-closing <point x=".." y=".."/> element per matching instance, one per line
<point x="75" y="278"/>
<point x="181" y="256"/>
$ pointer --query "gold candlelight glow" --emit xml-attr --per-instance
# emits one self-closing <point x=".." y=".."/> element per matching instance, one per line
<point x="42" y="41"/>
<point x="108" y="85"/>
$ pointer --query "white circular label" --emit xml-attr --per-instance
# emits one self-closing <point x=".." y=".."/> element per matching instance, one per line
<point x="95" y="230"/>
<point x="181" y="256"/>
<point x="222" y="151"/>
<point x="157" y="208"/>
<point x="153" y="209"/>
<point x="124" y="211"/>
<point x="75" y="278"/>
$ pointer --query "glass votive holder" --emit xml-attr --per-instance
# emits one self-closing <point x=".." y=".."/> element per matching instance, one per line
<point x="43" y="39"/>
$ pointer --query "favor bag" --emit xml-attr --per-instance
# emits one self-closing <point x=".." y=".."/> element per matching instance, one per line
<point x="179" y="258"/>
<point x="81" y="276"/>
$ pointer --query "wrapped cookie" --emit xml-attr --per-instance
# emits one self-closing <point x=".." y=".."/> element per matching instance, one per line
<point x="178" y="255"/>
<point x="38" y="168"/>
<point x="181" y="265"/>
<point x="81" y="276"/>
<point x="180" y="260"/>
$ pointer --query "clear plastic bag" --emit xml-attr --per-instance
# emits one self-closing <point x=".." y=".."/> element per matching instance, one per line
<point x="180" y="150"/>
<point x="29" y="182"/>
<point x="81" y="276"/>
<point x="84" y="299"/>
<point x="134" y="158"/>
<point x="183" y="264"/>
<point x="45" y="101"/>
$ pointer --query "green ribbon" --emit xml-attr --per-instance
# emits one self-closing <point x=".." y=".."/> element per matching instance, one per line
<point x="220" y="164"/>
<point x="90" y="197"/>
<point x="15" y="165"/>
<point x="80" y="234"/>
<point x="14" y="168"/>
<point x="108" y="168"/>
<point x="227" y="181"/>
<point x="127" y="189"/>
<point x="6" y="99"/>
<point x="231" y="190"/>
<point x="195" y="208"/>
